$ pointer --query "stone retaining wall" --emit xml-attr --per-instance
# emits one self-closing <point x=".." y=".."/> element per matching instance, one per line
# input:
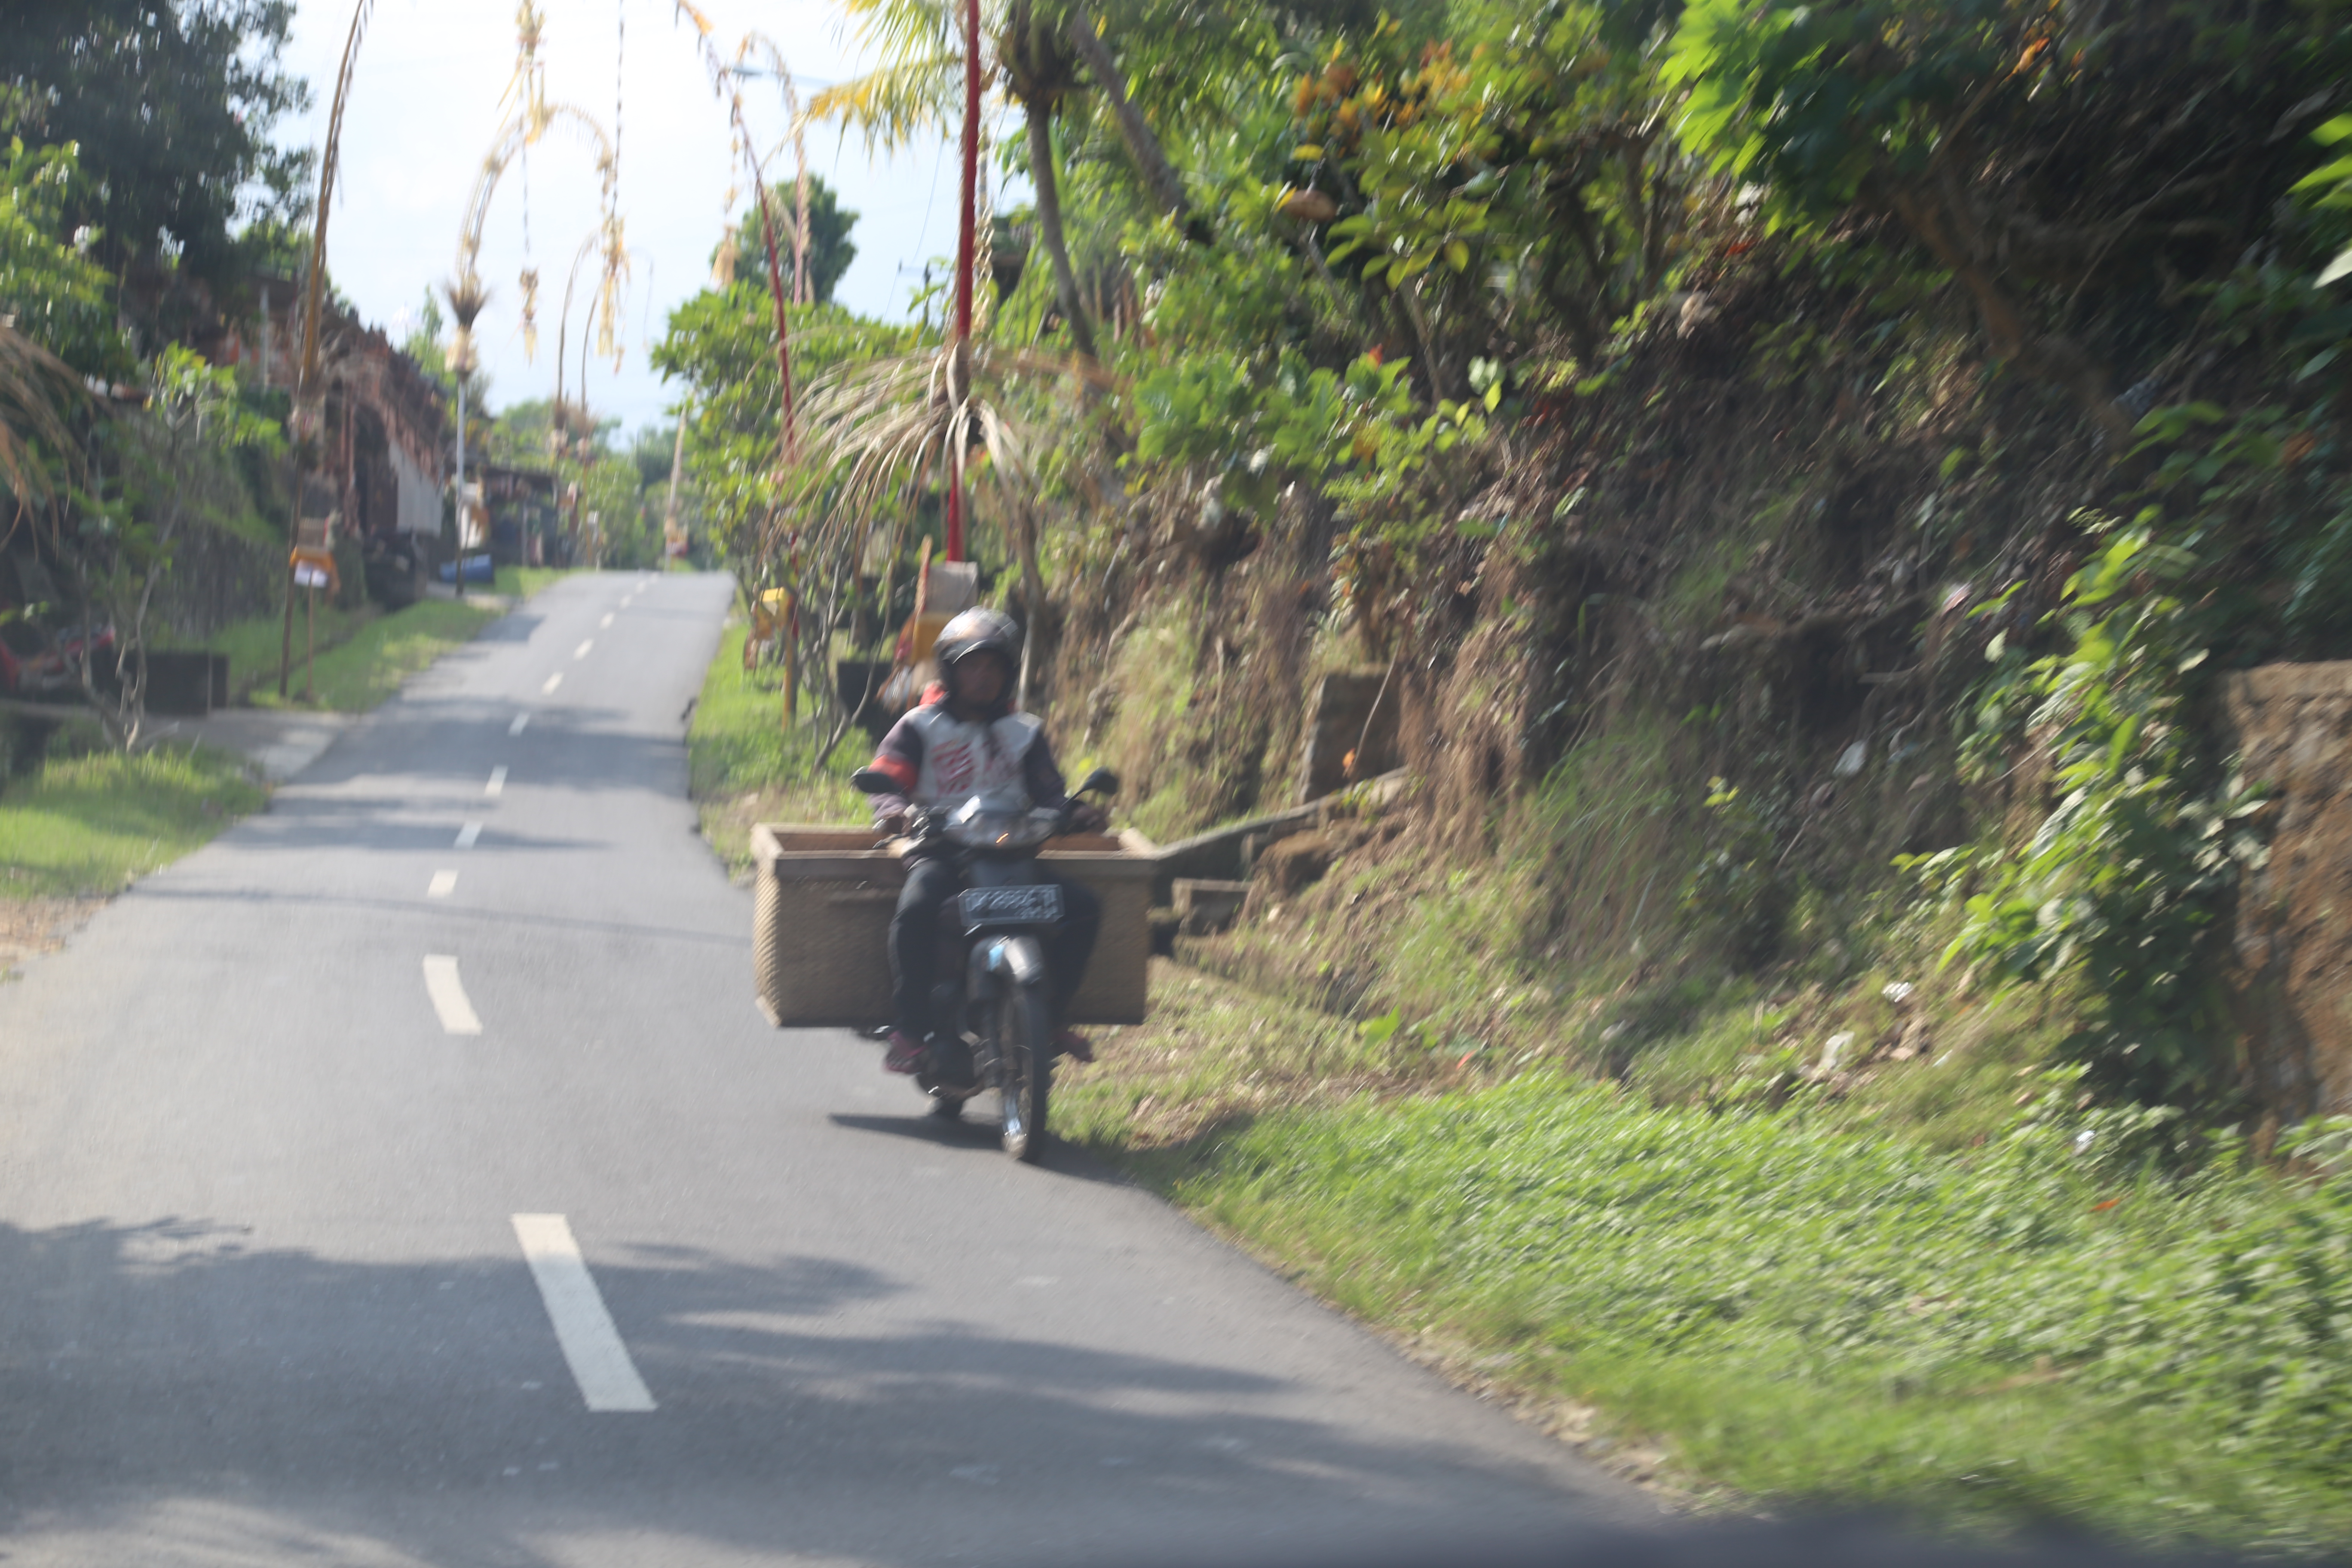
<point x="2293" y="725"/>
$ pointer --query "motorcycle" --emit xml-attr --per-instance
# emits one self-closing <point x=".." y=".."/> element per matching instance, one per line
<point x="994" y="987"/>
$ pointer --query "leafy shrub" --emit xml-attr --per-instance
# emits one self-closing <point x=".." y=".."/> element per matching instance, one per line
<point x="2127" y="875"/>
<point x="2333" y="181"/>
<point x="1739" y="895"/>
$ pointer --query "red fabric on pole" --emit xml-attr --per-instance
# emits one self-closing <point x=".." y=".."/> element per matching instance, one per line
<point x="791" y="444"/>
<point x="964" y="218"/>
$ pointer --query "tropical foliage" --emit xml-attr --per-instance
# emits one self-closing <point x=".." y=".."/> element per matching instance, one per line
<point x="1302" y="274"/>
<point x="181" y="183"/>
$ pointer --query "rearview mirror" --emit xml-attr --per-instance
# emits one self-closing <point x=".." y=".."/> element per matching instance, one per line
<point x="873" y="781"/>
<point x="1102" y="781"/>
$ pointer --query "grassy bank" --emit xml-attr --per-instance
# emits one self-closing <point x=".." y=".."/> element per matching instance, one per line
<point x="1780" y="1303"/>
<point x="745" y="767"/>
<point x="85" y="819"/>
<point x="381" y="652"/>
<point x="86" y="824"/>
<point x="523" y="582"/>
<point x="253" y="644"/>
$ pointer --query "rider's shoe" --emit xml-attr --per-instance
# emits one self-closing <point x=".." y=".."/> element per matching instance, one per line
<point x="1075" y="1045"/>
<point x="905" y="1055"/>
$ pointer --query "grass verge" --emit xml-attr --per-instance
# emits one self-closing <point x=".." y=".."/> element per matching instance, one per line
<point x="383" y="652"/>
<point x="1786" y="1308"/>
<point x="84" y="825"/>
<point x="252" y="644"/>
<point x="523" y="582"/>
<point x="745" y="767"/>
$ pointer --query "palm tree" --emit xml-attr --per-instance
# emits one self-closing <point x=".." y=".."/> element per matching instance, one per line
<point x="1038" y="74"/>
<point x="917" y="91"/>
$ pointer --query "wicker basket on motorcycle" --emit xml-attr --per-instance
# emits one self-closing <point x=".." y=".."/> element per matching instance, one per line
<point x="1114" y="989"/>
<point x="821" y="925"/>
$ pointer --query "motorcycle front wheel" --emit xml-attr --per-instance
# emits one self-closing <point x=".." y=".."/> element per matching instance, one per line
<point x="1025" y="1058"/>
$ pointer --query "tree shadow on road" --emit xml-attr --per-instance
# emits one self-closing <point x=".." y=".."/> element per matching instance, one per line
<point x="173" y="1394"/>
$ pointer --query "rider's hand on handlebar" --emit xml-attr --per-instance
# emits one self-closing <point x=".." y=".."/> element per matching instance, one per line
<point x="894" y="826"/>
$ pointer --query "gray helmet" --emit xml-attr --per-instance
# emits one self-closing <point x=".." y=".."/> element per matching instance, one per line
<point x="978" y="630"/>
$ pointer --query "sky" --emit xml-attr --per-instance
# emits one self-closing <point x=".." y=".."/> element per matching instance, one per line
<point x="424" y="109"/>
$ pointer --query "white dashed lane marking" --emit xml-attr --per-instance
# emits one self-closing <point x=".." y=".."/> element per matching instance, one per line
<point x="498" y="784"/>
<point x="449" y="995"/>
<point x="553" y="681"/>
<point x="467" y="834"/>
<point x="600" y="1363"/>
<point x="605" y="622"/>
<point x="521" y="722"/>
<point x="444" y="883"/>
<point x="582" y="651"/>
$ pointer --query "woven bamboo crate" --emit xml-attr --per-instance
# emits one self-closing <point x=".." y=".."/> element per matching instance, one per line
<point x="821" y="924"/>
<point x="1115" y="988"/>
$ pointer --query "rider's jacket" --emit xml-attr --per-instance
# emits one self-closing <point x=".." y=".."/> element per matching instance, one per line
<point x="938" y="759"/>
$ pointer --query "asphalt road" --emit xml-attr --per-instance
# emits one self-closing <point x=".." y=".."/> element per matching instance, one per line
<point x="281" y="1278"/>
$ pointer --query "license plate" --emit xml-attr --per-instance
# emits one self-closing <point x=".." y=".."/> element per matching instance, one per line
<point x="1028" y="906"/>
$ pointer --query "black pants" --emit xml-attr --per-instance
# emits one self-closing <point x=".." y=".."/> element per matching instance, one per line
<point x="915" y="942"/>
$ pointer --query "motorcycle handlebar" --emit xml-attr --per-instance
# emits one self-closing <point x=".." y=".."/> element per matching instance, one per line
<point x="926" y="824"/>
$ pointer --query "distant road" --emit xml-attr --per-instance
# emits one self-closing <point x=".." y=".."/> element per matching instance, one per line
<point x="408" y="1178"/>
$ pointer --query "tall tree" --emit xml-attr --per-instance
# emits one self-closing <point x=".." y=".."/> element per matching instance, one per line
<point x="917" y="88"/>
<point x="830" y="251"/>
<point x="49" y="288"/>
<point x="171" y="104"/>
<point x="1039" y="69"/>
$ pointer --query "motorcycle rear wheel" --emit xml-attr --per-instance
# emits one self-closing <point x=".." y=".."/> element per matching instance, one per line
<point x="1026" y="1057"/>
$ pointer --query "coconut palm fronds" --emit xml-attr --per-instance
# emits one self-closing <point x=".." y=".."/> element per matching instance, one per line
<point x="899" y="415"/>
<point x="895" y="105"/>
<point x="920" y="89"/>
<point x="36" y="390"/>
<point x="886" y="418"/>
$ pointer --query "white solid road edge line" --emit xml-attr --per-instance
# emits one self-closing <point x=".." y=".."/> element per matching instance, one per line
<point x="522" y="720"/>
<point x="553" y="681"/>
<point x="498" y="784"/>
<point x="449" y="995"/>
<point x="467" y="834"/>
<point x="444" y="883"/>
<point x="600" y="1363"/>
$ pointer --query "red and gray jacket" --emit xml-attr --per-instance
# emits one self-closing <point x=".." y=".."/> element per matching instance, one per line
<point x="938" y="759"/>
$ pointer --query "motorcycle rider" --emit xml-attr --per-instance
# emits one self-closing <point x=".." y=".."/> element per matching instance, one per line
<point x="965" y="739"/>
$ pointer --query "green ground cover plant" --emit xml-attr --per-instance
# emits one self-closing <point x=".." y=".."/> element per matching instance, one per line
<point x="86" y="824"/>
<point x="743" y="766"/>
<point x="252" y="643"/>
<point x="1802" y="1310"/>
<point x="383" y="652"/>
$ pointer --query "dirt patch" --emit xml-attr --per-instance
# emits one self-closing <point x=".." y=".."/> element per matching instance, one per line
<point x="31" y="927"/>
<point x="1292" y="865"/>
